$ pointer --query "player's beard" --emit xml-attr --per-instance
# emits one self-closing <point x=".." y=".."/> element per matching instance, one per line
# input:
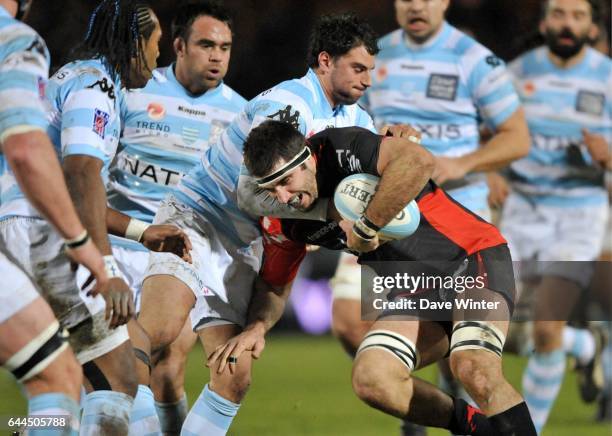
<point x="310" y="188"/>
<point x="562" y="50"/>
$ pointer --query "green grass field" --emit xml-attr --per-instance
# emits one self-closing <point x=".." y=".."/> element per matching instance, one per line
<point x="301" y="386"/>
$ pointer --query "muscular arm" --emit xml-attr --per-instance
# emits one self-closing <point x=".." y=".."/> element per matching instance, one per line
<point x="116" y="222"/>
<point x="404" y="167"/>
<point x="267" y="305"/>
<point x="37" y="170"/>
<point x="510" y="142"/>
<point x="89" y="195"/>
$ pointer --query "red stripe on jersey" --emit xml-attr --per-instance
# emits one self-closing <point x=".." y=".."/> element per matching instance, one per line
<point x="282" y="257"/>
<point x="458" y="224"/>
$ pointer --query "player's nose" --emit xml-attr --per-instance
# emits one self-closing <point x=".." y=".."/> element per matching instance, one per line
<point x="282" y="194"/>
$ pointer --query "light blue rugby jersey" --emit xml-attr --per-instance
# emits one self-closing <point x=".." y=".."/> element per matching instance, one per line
<point x="24" y="70"/>
<point x="165" y="131"/>
<point x="444" y="88"/>
<point x="211" y="187"/>
<point x="558" y="104"/>
<point x="83" y="108"/>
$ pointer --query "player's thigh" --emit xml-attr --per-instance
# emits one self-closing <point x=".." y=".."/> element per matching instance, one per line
<point x="526" y="228"/>
<point x="388" y="351"/>
<point x="579" y="233"/>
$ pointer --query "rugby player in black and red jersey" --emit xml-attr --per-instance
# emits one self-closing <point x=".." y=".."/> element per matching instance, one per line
<point x="449" y="242"/>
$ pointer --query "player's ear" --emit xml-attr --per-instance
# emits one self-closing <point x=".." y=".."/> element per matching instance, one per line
<point x="179" y="45"/>
<point x="325" y="61"/>
<point x="542" y="27"/>
<point x="593" y="32"/>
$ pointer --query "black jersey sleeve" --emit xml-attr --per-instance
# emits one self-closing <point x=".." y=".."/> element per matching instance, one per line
<point x="356" y="149"/>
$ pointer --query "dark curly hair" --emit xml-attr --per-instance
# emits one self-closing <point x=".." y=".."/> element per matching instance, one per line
<point x="337" y="34"/>
<point x="190" y="10"/>
<point x="268" y="143"/>
<point x="116" y="34"/>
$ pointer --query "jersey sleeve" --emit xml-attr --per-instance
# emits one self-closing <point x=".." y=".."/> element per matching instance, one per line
<point x="365" y="120"/>
<point x="275" y="105"/>
<point x="282" y="257"/>
<point x="490" y="86"/>
<point x="24" y="71"/>
<point x="356" y="148"/>
<point x="87" y="119"/>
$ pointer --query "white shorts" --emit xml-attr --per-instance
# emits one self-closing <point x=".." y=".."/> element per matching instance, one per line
<point x="553" y="233"/>
<point x="564" y="239"/>
<point x="132" y="264"/>
<point x="222" y="274"/>
<point x="39" y="250"/>
<point x="18" y="292"/>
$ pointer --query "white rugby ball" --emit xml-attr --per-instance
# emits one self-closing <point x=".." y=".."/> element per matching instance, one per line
<point x="355" y="192"/>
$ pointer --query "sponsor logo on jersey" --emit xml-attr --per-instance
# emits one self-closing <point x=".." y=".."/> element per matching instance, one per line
<point x="103" y="86"/>
<point x="528" y="88"/>
<point x="148" y="171"/>
<point x="589" y="102"/>
<point x="194" y="112"/>
<point x="42" y="83"/>
<point x="156" y="111"/>
<point x="286" y="116"/>
<point x="99" y="122"/>
<point x="381" y="73"/>
<point x="190" y="135"/>
<point x="442" y="86"/>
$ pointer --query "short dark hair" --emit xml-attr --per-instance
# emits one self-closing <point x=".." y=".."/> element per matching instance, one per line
<point x="191" y="10"/>
<point x="268" y="143"/>
<point x="596" y="8"/>
<point x="337" y="34"/>
<point x="115" y="35"/>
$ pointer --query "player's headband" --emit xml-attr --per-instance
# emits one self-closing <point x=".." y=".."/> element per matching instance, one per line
<point x="299" y="159"/>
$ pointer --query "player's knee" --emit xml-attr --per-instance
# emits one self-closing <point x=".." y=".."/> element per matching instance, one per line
<point x="479" y="372"/>
<point x="371" y="384"/>
<point x="349" y="331"/>
<point x="234" y="387"/>
<point x="64" y="375"/>
<point x="547" y="335"/>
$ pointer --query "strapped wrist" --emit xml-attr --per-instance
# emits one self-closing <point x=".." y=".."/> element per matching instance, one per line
<point x="111" y="267"/>
<point x="136" y="229"/>
<point x="78" y="241"/>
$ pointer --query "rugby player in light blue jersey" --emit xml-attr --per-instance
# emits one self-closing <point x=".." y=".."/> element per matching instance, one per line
<point x="120" y="48"/>
<point x="227" y="241"/>
<point x="33" y="346"/>
<point x="558" y="206"/>
<point x="166" y="127"/>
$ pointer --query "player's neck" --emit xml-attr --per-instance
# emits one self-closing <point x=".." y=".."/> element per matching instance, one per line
<point x="326" y="86"/>
<point x="183" y="78"/>
<point x="560" y="62"/>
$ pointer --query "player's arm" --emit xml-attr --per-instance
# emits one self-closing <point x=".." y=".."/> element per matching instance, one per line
<point x="37" y="170"/>
<point x="34" y="162"/>
<point x="156" y="237"/>
<point x="272" y="287"/>
<point x="509" y="142"/>
<point x="404" y="168"/>
<point x="89" y="195"/>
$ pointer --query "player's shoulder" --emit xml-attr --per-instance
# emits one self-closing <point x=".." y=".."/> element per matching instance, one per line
<point x="285" y="92"/>
<point x="391" y="39"/>
<point x="233" y="97"/>
<point x="17" y="37"/>
<point x="83" y="74"/>
<point x="466" y="48"/>
<point x="601" y="63"/>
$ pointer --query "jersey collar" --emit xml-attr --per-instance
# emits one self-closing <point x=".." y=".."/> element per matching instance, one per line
<point x="430" y="44"/>
<point x="323" y="106"/>
<point x="172" y="78"/>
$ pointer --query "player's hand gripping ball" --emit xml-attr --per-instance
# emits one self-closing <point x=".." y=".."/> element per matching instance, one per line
<point x="353" y="195"/>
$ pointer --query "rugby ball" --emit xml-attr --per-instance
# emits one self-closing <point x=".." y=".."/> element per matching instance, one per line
<point x="353" y="195"/>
